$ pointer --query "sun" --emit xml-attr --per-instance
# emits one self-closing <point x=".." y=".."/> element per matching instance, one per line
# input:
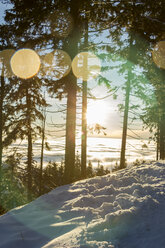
<point x="97" y="113"/>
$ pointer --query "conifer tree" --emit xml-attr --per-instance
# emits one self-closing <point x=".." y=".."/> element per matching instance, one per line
<point x="6" y="109"/>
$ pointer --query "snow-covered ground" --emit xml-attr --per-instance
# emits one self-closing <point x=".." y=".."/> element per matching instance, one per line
<point x="125" y="209"/>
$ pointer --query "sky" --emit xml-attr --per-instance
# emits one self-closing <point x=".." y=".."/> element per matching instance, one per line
<point x="3" y="7"/>
<point x="104" y="112"/>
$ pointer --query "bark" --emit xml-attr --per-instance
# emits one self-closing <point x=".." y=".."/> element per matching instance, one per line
<point x="125" y="124"/>
<point x="29" y="152"/>
<point x="70" y="143"/>
<point x="126" y="110"/>
<point x="84" y="131"/>
<point x="42" y="154"/>
<point x="162" y="138"/>
<point x="70" y="133"/>
<point x="157" y="149"/>
<point x="84" y="113"/>
<point x="1" y="114"/>
<point x="161" y="102"/>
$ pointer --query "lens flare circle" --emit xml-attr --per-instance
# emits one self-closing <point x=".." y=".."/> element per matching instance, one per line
<point x="25" y="63"/>
<point x="56" y="64"/>
<point x="86" y="66"/>
<point x="158" y="54"/>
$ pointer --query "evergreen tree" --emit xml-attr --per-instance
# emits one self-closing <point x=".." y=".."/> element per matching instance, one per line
<point x="6" y="110"/>
<point x="136" y="17"/>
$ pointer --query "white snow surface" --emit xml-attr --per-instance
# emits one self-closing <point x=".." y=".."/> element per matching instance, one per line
<point x="125" y="209"/>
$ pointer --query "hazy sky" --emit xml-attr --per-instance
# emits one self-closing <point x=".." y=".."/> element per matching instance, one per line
<point x="105" y="111"/>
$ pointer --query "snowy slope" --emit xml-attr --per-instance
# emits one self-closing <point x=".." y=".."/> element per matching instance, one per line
<point x="125" y="209"/>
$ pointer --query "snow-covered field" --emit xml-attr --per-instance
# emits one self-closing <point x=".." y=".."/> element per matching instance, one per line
<point x="125" y="209"/>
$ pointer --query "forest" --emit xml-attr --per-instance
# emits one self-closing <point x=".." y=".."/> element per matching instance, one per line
<point x="51" y="49"/>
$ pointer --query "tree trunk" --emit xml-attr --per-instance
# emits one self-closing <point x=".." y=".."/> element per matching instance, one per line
<point x="126" y="110"/>
<point x="161" y="102"/>
<point x="29" y="152"/>
<point x="125" y="124"/>
<point x="162" y="138"/>
<point x="158" y="142"/>
<point x="70" y="133"/>
<point x="70" y="143"/>
<point x="1" y="114"/>
<point x="84" y="131"/>
<point x="1" y="122"/>
<point x="42" y="152"/>
<point x="84" y="113"/>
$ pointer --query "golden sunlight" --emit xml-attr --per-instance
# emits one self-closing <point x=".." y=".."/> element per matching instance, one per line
<point x="25" y="63"/>
<point x="97" y="113"/>
<point x="86" y="66"/>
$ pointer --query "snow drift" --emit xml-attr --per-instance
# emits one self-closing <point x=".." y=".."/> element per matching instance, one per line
<point x="125" y="209"/>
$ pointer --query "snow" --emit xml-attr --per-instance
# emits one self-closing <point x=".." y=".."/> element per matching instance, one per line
<point x="125" y="209"/>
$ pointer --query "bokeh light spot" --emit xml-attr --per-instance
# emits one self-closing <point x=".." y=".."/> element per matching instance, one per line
<point x="158" y="54"/>
<point x="86" y="66"/>
<point x="56" y="64"/>
<point x="25" y="63"/>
